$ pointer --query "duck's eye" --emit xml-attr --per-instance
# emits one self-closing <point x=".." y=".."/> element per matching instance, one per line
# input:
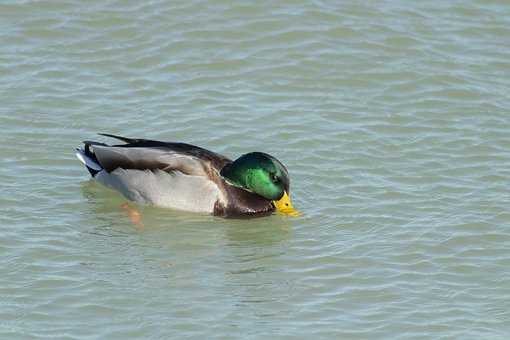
<point x="274" y="178"/>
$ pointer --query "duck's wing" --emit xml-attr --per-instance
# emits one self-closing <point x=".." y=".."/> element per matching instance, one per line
<point x="143" y="154"/>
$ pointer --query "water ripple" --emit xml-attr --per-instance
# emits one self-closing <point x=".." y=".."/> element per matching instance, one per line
<point x="392" y="118"/>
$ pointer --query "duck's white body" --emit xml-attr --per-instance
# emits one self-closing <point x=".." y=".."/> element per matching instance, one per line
<point x="163" y="189"/>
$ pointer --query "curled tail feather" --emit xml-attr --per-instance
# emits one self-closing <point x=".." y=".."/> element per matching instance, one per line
<point x="87" y="157"/>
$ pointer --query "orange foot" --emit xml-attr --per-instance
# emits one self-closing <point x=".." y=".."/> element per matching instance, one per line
<point x="134" y="215"/>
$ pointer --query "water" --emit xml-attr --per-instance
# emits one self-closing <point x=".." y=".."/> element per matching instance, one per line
<point x="392" y="117"/>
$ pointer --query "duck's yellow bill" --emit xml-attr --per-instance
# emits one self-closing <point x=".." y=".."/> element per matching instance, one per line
<point x="284" y="206"/>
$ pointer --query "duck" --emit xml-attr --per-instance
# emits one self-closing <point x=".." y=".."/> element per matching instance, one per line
<point x="190" y="178"/>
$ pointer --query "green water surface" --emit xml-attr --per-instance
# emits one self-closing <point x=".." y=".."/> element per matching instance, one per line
<point x="393" y="118"/>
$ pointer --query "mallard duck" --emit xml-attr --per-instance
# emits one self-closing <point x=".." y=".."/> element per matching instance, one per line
<point x="187" y="177"/>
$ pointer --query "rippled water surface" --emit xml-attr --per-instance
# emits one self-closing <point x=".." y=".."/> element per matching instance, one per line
<point x="393" y="118"/>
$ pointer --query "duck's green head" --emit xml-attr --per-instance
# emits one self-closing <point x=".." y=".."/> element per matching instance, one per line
<point x="264" y="175"/>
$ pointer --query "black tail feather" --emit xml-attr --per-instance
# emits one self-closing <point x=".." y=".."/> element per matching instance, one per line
<point x="92" y="172"/>
<point x="124" y="139"/>
<point x="90" y="154"/>
<point x="90" y="142"/>
<point x="86" y="156"/>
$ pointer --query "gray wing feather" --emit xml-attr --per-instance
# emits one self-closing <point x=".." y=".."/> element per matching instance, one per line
<point x="143" y="158"/>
